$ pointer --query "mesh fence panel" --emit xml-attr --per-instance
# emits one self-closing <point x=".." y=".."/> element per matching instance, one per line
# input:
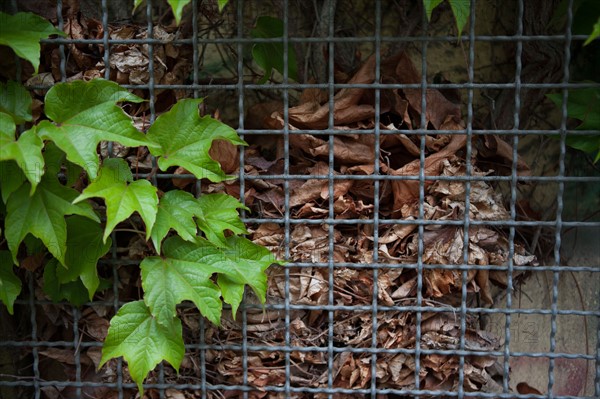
<point x="205" y="348"/>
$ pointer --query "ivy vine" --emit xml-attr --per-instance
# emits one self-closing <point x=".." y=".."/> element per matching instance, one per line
<point x="200" y="252"/>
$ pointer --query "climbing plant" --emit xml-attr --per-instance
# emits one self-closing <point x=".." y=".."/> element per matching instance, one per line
<point x="200" y="256"/>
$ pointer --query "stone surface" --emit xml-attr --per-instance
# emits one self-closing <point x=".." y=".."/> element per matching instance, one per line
<point x="574" y="334"/>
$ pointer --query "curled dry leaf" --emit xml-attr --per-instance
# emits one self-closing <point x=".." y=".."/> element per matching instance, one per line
<point x="406" y="192"/>
<point x="226" y="154"/>
<point x="347" y="108"/>
<point x="500" y="153"/>
<point x="438" y="110"/>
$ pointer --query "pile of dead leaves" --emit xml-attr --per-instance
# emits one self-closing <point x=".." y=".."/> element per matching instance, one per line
<point x="444" y="200"/>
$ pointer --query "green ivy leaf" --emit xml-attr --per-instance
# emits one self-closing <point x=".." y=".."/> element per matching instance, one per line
<point x="270" y="56"/>
<point x="122" y="195"/>
<point x="56" y="162"/>
<point x="10" y="285"/>
<point x="74" y="291"/>
<point x="43" y="215"/>
<point x="65" y="101"/>
<point x="184" y="272"/>
<point x="185" y="139"/>
<point x="242" y="261"/>
<point x="84" y="248"/>
<point x="583" y="105"/>
<point x="222" y="4"/>
<point x="594" y="34"/>
<point x="143" y="342"/>
<point x="177" y="7"/>
<point x="11" y="178"/>
<point x="212" y="213"/>
<point x="232" y="292"/>
<point x="26" y="151"/>
<point x="7" y="128"/>
<point x="11" y="175"/>
<point x="429" y="6"/>
<point x="54" y="159"/>
<point x="461" y="10"/>
<point x="219" y="213"/>
<point x="73" y="173"/>
<point x="586" y="143"/>
<point x="176" y="210"/>
<point x="23" y="31"/>
<point x="176" y="277"/>
<point x="86" y="113"/>
<point x="16" y="101"/>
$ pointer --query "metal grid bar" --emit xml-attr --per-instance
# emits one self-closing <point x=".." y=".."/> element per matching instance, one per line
<point x="241" y="87"/>
<point x="467" y="219"/>
<point x="421" y="230"/>
<point x="251" y="86"/>
<point x="286" y="200"/>
<point x="513" y="200"/>
<point x="288" y="349"/>
<point x="377" y="222"/>
<point x="559" y="200"/>
<point x="330" y="186"/>
<point x="362" y="39"/>
<point x="376" y="205"/>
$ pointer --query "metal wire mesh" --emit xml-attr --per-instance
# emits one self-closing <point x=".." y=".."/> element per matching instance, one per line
<point x="204" y="385"/>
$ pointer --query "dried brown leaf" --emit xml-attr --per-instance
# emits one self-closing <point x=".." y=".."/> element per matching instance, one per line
<point x="226" y="154"/>
<point x="406" y="192"/>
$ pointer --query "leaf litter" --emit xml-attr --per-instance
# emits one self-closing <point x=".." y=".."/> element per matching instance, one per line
<point x="309" y="285"/>
<point x="444" y="200"/>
